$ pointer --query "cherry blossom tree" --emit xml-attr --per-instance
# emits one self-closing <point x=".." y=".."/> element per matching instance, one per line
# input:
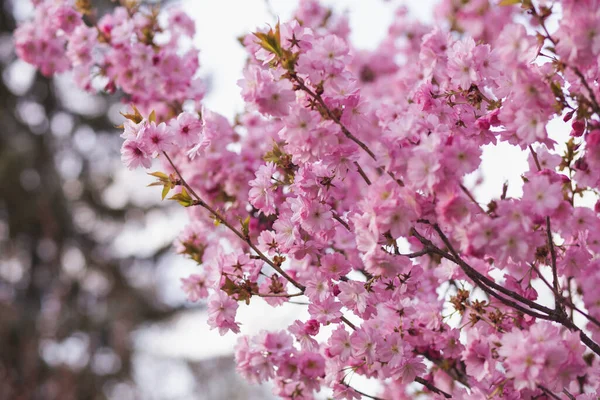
<point x="343" y="186"/>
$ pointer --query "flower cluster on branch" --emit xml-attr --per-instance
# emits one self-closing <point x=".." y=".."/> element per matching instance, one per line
<point x="342" y="185"/>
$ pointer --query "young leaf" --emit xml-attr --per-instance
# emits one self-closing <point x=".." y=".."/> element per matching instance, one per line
<point x="135" y="117"/>
<point x="245" y="226"/>
<point x="165" y="191"/>
<point x="270" y="41"/>
<point x="183" y="198"/>
<point x="161" y="175"/>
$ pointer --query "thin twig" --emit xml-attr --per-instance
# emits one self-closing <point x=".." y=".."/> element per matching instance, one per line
<point x="282" y="295"/>
<point x="362" y="173"/>
<point x="474" y="274"/>
<point x="341" y="221"/>
<point x="432" y="387"/>
<point x="585" y="83"/>
<point x="548" y="392"/>
<point x="557" y="298"/>
<point x="300" y="82"/>
<point x="361" y="393"/>
<point x="347" y="322"/>
<point x="239" y="234"/>
<point x="568" y="394"/>
<point x="317" y="97"/>
<point x="472" y="198"/>
<point x="487" y="285"/>
<point x="425" y="251"/>
<point x="535" y="158"/>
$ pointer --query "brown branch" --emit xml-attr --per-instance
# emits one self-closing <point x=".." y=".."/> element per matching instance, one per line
<point x="472" y="198"/>
<point x="432" y="387"/>
<point x="568" y="394"/>
<point x="239" y="234"/>
<point x="341" y="221"/>
<point x="347" y="322"/>
<point x="487" y="284"/>
<point x="361" y="393"/>
<point x="557" y="297"/>
<point x="535" y="158"/>
<point x="569" y="302"/>
<point x="548" y="392"/>
<point x="425" y="251"/>
<point x="300" y="82"/>
<point x="283" y="295"/>
<point x="317" y="97"/>
<point x="585" y="83"/>
<point x="362" y="173"/>
<point x="480" y="278"/>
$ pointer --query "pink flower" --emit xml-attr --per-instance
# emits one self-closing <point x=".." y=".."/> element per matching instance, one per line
<point x="422" y="170"/>
<point x="277" y="343"/>
<point x="221" y="312"/>
<point x="261" y="194"/>
<point x="182" y="22"/>
<point x="365" y="344"/>
<point x="329" y="54"/>
<point x="410" y="369"/>
<point x="335" y="265"/>
<point x="478" y="356"/>
<point x="541" y="195"/>
<point x="299" y="330"/>
<point x="341" y="391"/>
<point x="461" y="65"/>
<point x="392" y="351"/>
<point x="68" y="19"/>
<point x="157" y="138"/>
<point x="339" y="344"/>
<point x="274" y="98"/>
<point x="317" y="289"/>
<point x="312" y="327"/>
<point x="353" y="295"/>
<point x="187" y="128"/>
<point x="195" y="287"/>
<point x="314" y="216"/>
<point x="312" y="365"/>
<point x="135" y="154"/>
<point x="326" y="311"/>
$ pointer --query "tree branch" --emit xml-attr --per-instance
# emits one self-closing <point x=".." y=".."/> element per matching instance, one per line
<point x="432" y="387"/>
<point x="239" y="234"/>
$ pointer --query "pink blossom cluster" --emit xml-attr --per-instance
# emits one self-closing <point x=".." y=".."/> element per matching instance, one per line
<point x="342" y="185"/>
<point x="127" y="49"/>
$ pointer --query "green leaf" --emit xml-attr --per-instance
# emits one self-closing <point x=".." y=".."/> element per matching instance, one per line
<point x="152" y="117"/>
<point x="245" y="226"/>
<point x="229" y="287"/>
<point x="274" y="155"/>
<point x="183" y="198"/>
<point x="270" y="41"/>
<point x="509" y="2"/>
<point x="165" y="191"/>
<point x="135" y="117"/>
<point x="160" y="175"/>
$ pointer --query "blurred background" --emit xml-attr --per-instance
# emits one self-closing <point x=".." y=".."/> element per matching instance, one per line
<point x="90" y="305"/>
